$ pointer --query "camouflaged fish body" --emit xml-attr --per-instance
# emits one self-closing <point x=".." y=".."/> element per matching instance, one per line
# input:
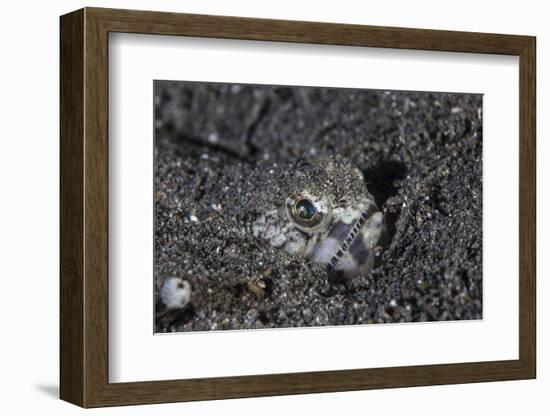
<point x="328" y="217"/>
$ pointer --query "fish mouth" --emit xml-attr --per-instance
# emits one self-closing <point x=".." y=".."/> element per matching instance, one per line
<point x="341" y="240"/>
<point x="349" y="239"/>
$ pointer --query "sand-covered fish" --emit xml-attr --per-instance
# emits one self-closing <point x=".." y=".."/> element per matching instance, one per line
<point x="327" y="216"/>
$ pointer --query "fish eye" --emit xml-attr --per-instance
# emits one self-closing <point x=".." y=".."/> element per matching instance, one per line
<point x="305" y="209"/>
<point x="307" y="213"/>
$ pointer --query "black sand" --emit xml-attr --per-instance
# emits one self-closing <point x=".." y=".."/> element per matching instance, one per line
<point x="219" y="153"/>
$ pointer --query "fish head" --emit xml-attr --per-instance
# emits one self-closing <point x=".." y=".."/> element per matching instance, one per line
<point x="326" y="216"/>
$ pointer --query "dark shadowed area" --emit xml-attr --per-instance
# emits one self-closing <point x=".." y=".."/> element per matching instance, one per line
<point x="225" y="154"/>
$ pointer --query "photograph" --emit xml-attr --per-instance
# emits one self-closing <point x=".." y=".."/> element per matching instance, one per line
<point x="274" y="205"/>
<point x="301" y="206"/>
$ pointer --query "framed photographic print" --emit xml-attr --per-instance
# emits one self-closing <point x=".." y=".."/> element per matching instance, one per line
<point x="256" y="207"/>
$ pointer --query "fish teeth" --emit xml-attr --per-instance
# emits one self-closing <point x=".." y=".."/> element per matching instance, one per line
<point x="348" y="241"/>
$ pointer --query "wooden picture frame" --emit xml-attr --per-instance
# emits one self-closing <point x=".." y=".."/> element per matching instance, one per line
<point x="84" y="207"/>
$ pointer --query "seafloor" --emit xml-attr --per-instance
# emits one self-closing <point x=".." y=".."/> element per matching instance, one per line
<point x="222" y="152"/>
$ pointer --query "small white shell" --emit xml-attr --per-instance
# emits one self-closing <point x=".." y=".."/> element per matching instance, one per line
<point x="175" y="293"/>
